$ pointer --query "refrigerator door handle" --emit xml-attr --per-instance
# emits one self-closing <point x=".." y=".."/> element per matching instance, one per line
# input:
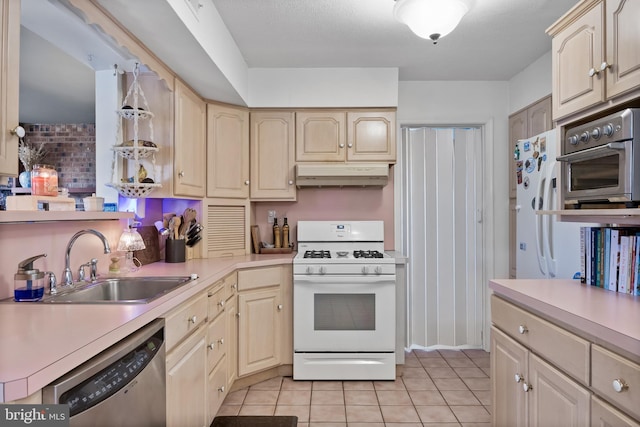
<point x="548" y="229"/>
<point x="539" y="222"/>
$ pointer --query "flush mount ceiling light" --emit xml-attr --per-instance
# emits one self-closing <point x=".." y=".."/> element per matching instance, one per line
<point x="430" y="19"/>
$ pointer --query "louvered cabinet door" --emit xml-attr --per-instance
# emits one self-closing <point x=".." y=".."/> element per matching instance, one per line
<point x="225" y="229"/>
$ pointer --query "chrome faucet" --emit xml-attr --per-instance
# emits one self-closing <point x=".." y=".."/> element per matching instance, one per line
<point x="67" y="276"/>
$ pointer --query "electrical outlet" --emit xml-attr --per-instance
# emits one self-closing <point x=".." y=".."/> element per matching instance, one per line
<point x="270" y="216"/>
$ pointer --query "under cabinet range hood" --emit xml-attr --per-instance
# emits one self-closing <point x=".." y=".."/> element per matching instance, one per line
<point x="342" y="175"/>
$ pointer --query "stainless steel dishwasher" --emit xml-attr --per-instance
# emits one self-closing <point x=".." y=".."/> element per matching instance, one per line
<point x="122" y="386"/>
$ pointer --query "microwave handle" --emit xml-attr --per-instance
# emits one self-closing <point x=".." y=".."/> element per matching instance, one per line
<point x="591" y="151"/>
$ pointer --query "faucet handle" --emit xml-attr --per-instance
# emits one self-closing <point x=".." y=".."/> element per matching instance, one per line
<point x="81" y="275"/>
<point x="93" y="271"/>
<point x="53" y="289"/>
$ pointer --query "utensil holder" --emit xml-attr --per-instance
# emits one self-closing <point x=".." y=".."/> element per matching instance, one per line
<point x="175" y="250"/>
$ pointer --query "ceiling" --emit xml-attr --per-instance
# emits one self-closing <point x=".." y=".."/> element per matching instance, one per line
<point x="496" y="40"/>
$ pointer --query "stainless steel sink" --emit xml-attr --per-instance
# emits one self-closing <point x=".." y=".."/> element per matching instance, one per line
<point x="125" y="290"/>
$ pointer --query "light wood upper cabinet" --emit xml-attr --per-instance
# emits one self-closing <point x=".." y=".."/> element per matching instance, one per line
<point x="539" y="117"/>
<point x="321" y="136"/>
<point x="371" y="136"/>
<point x="351" y="136"/>
<point x="623" y="46"/>
<point x="594" y="54"/>
<point x="189" y="177"/>
<point x="9" y="87"/>
<point x="227" y="152"/>
<point x="272" y="155"/>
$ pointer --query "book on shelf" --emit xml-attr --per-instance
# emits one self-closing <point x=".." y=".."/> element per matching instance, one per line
<point x="611" y="258"/>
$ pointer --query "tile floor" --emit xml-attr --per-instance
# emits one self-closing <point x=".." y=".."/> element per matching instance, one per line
<point x="437" y="388"/>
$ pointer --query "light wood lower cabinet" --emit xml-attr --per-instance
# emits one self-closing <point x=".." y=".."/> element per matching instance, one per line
<point x="543" y="375"/>
<point x="527" y="391"/>
<point x="259" y="330"/>
<point x="187" y="382"/>
<point x="260" y="319"/>
<point x="605" y="415"/>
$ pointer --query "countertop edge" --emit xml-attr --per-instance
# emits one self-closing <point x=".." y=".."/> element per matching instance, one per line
<point x="583" y="313"/>
<point x="139" y="315"/>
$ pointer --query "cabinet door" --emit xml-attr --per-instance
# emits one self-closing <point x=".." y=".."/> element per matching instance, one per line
<point x="539" y="117"/>
<point x="232" y="337"/>
<point x="9" y="76"/>
<point x="320" y="136"/>
<point x="227" y="152"/>
<point x="187" y="382"/>
<point x="605" y="415"/>
<point x="286" y="355"/>
<point x="508" y="358"/>
<point x="259" y="330"/>
<point x="189" y="143"/>
<point x="513" y="241"/>
<point x="272" y="155"/>
<point x="554" y="398"/>
<point x="518" y="128"/>
<point x="371" y="136"/>
<point x="575" y="51"/>
<point x="623" y="45"/>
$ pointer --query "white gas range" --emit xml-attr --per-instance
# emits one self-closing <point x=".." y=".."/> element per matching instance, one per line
<point x="343" y="302"/>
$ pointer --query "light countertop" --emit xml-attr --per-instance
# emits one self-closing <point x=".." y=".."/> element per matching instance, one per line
<point x="40" y="342"/>
<point x="602" y="316"/>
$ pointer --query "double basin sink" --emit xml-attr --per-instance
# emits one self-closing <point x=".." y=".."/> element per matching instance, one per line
<point x="121" y="290"/>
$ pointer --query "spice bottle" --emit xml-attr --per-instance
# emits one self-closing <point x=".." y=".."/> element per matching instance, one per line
<point x="285" y="234"/>
<point x="276" y="234"/>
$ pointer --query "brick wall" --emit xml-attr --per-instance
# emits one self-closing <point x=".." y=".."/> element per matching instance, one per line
<point x="71" y="149"/>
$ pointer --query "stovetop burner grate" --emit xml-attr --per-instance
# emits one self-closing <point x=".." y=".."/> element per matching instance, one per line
<point x="317" y="254"/>
<point x="368" y="254"/>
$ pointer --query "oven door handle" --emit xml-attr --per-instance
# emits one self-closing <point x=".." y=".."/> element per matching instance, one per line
<point x="591" y="152"/>
<point x="356" y="280"/>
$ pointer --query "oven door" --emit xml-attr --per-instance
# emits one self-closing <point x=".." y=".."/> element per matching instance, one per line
<point x="344" y="313"/>
<point x="596" y="174"/>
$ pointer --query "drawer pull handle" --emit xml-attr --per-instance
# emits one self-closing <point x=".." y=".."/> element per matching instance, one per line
<point x="221" y="340"/>
<point x="526" y="387"/>
<point x="522" y="329"/>
<point x="234" y="286"/>
<point x="212" y="346"/>
<point x="193" y="319"/>
<point x="221" y="389"/>
<point x="279" y="307"/>
<point x="519" y="378"/>
<point x="619" y="385"/>
<point x="221" y="303"/>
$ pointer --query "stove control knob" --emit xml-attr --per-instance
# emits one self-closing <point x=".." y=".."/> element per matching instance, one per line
<point x="596" y="134"/>
<point x="608" y="129"/>
<point x="365" y="269"/>
<point x="378" y="270"/>
<point x="309" y="270"/>
<point x="573" y="139"/>
<point x="323" y="270"/>
<point x="585" y="137"/>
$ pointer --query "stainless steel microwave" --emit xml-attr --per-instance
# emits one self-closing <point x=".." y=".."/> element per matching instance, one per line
<point x="600" y="163"/>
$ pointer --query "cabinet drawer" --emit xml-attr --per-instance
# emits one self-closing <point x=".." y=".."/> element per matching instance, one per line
<point x="565" y="350"/>
<point x="230" y="285"/>
<point x="216" y="343"/>
<point x="184" y="319"/>
<point x="608" y="367"/>
<point x="259" y="278"/>
<point x="603" y="414"/>
<point x="217" y="388"/>
<point x="215" y="302"/>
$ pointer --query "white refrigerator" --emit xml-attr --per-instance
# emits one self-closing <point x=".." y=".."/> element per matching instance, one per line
<point x="546" y="248"/>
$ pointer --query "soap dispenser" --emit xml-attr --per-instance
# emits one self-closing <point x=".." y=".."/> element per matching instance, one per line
<point x="28" y="282"/>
